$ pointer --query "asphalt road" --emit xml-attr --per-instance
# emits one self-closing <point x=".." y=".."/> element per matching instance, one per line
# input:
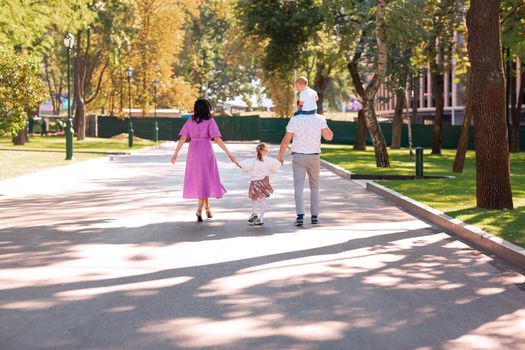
<point x="104" y="254"/>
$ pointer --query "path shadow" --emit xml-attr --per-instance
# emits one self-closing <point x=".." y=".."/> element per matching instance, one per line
<point x="125" y="267"/>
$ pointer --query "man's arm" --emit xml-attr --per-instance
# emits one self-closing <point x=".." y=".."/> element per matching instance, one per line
<point x="284" y="145"/>
<point x="328" y="134"/>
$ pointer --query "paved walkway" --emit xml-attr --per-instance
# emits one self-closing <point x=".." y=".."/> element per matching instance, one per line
<point x="105" y="255"/>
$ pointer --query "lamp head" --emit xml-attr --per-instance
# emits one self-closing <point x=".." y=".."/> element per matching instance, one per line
<point x="69" y="41"/>
<point x="155" y="84"/>
<point x="129" y="72"/>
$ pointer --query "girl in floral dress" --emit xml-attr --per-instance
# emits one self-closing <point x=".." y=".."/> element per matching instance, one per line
<point x="259" y="168"/>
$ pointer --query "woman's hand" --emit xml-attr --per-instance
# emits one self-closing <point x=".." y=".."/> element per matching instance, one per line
<point x="174" y="159"/>
<point x="232" y="158"/>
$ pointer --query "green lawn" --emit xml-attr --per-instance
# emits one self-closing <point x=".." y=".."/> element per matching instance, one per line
<point x="87" y="145"/>
<point x="454" y="197"/>
<point x="16" y="163"/>
<point x="21" y="160"/>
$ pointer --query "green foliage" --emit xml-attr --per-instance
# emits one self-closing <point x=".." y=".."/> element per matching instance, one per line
<point x="402" y="42"/>
<point x="222" y="62"/>
<point x="513" y="26"/>
<point x="111" y="34"/>
<point x="26" y="24"/>
<point x="286" y="25"/>
<point x="20" y="89"/>
<point x="436" y="22"/>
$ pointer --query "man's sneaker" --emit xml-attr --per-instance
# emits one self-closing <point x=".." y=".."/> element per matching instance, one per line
<point x="315" y="220"/>
<point x="299" y="221"/>
<point x="257" y="222"/>
<point x="252" y="218"/>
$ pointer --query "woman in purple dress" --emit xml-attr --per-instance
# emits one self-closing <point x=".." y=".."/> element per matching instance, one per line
<point x="201" y="180"/>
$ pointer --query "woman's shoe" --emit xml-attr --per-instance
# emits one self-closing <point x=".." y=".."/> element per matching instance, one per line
<point x="199" y="216"/>
<point x="208" y="213"/>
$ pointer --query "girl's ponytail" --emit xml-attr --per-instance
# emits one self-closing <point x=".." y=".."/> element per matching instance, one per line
<point x="260" y="148"/>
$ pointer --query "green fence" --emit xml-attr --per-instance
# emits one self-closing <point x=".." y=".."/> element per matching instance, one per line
<point x="272" y="130"/>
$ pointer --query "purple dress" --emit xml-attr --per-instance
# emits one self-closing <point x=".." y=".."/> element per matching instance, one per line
<point x="202" y="175"/>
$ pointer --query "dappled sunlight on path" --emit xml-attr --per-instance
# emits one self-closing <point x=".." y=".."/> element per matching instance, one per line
<point x="114" y="260"/>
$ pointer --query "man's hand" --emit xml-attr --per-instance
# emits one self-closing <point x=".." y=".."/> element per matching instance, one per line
<point x="284" y="145"/>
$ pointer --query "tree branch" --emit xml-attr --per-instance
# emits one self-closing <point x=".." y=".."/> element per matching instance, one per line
<point x="91" y="98"/>
<point x="511" y="12"/>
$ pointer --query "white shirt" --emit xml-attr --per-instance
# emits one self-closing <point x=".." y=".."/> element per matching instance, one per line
<point x="306" y="131"/>
<point x="309" y="99"/>
<point x="259" y="170"/>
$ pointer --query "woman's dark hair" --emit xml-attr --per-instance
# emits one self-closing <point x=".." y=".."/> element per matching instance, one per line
<point x="201" y="110"/>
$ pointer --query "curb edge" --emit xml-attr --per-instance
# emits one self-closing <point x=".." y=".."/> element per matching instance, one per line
<point x="500" y="247"/>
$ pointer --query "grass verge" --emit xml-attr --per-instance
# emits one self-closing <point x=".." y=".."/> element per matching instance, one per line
<point x="455" y="197"/>
<point x="52" y="143"/>
<point x="15" y="163"/>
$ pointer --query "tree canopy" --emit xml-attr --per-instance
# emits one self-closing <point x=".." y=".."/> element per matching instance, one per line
<point x="21" y="90"/>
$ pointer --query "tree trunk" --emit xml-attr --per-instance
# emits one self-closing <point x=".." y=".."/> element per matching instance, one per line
<point x="415" y="99"/>
<point x="516" y="114"/>
<point x="360" y="132"/>
<point x="368" y="94"/>
<point x="397" y="123"/>
<point x="320" y="83"/>
<point x="21" y="138"/>
<point x="79" y="122"/>
<point x="461" y="152"/>
<point x="438" y="84"/>
<point x="80" y="116"/>
<point x="508" y="82"/>
<point x="378" y="138"/>
<point x="121" y="97"/>
<point x="493" y="185"/>
<point x="76" y="57"/>
<point x="23" y="135"/>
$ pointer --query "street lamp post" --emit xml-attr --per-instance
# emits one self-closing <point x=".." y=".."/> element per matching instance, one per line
<point x="69" y="41"/>
<point x="129" y="73"/>
<point x="156" y="127"/>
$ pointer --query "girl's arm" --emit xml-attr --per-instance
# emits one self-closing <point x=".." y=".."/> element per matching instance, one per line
<point x="274" y="165"/>
<point x="182" y="140"/>
<point x="221" y="144"/>
<point x="247" y="166"/>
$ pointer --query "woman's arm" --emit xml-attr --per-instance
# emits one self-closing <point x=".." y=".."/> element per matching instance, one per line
<point x="182" y="140"/>
<point x="221" y="144"/>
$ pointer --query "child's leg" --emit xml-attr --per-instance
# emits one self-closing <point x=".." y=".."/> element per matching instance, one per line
<point x="254" y="206"/>
<point x="262" y="208"/>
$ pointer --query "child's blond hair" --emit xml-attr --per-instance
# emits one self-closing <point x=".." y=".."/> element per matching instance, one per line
<point x="260" y="148"/>
<point x="302" y="80"/>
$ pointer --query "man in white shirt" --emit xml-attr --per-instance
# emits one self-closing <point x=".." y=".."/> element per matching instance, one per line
<point x="306" y="131"/>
